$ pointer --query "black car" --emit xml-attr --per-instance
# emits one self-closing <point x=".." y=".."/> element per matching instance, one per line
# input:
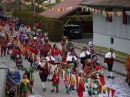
<point x="73" y="31"/>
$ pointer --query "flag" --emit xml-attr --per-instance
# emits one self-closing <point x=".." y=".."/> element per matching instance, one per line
<point x="100" y="89"/>
<point x="113" y="92"/>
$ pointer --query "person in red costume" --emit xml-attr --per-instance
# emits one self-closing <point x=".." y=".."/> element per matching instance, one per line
<point x="17" y="50"/>
<point x="35" y="42"/>
<point x="56" y="81"/>
<point x="80" y="88"/>
<point x="36" y="25"/>
<point x="33" y="50"/>
<point x="56" y="53"/>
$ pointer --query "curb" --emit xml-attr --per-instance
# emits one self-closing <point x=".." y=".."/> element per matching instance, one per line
<point x="122" y="74"/>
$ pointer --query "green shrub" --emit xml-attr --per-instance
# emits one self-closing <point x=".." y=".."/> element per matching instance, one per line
<point x="52" y="26"/>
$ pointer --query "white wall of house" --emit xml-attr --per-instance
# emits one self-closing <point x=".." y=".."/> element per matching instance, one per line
<point x="104" y="31"/>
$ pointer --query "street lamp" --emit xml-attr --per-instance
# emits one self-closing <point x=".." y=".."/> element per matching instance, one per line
<point x="34" y="10"/>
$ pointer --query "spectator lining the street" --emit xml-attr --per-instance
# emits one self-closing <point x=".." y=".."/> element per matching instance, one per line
<point x="109" y="60"/>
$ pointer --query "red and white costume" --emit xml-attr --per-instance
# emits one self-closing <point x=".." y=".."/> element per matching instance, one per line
<point x="56" y="54"/>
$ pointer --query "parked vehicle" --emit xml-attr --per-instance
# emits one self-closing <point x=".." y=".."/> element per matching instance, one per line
<point x="73" y="31"/>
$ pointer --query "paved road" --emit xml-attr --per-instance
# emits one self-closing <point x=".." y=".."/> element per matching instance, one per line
<point x="122" y="89"/>
<point x="119" y="83"/>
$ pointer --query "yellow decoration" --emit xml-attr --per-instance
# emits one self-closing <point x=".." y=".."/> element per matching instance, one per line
<point x="119" y="13"/>
<point x="104" y="13"/>
<point x="25" y="81"/>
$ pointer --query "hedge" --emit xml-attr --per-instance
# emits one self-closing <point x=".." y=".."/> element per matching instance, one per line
<point x="53" y="27"/>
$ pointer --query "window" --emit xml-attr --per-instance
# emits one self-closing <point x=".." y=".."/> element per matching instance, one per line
<point x="124" y="16"/>
<point x="108" y="18"/>
<point x="112" y="40"/>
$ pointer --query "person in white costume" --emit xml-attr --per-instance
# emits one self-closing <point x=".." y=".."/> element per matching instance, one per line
<point x="109" y="60"/>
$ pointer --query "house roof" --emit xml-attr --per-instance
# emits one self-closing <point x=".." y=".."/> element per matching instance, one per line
<point x="64" y="4"/>
<point x="113" y="3"/>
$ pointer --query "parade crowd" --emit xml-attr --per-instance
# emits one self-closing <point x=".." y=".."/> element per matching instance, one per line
<point x="53" y="61"/>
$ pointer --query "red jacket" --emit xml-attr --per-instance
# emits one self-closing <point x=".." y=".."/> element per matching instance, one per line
<point x="55" y="52"/>
<point x="56" y="79"/>
<point x="16" y="51"/>
<point x="35" y="51"/>
<point x="36" y="25"/>
<point x="109" y="61"/>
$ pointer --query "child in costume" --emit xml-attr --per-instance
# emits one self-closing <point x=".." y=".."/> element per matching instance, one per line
<point x="25" y="86"/>
<point x="30" y="77"/>
<point x="56" y="81"/>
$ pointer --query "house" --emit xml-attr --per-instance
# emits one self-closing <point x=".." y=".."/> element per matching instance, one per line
<point x="111" y="23"/>
<point x="70" y="12"/>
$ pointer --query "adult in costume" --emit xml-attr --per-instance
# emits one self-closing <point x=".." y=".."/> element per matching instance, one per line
<point x="28" y="29"/>
<point x="92" y="85"/>
<point x="3" y="43"/>
<point x="72" y="62"/>
<point x="68" y="45"/>
<point x="84" y="55"/>
<point x="14" y="74"/>
<point x="46" y="47"/>
<point x="43" y="73"/>
<point x="26" y="46"/>
<point x="109" y="60"/>
<point x="40" y="48"/>
<point x="127" y="66"/>
<point x="56" y="53"/>
<point x="63" y="43"/>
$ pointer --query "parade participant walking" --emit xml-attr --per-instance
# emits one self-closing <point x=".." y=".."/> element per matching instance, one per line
<point x="36" y="25"/>
<point x="68" y="45"/>
<point x="25" y="86"/>
<point x="46" y="47"/>
<point x="56" y="53"/>
<point x="28" y="29"/>
<point x="43" y="73"/>
<point x="127" y="66"/>
<point x="26" y="46"/>
<point x="3" y="43"/>
<point x="72" y="62"/>
<point x="30" y="77"/>
<point x="50" y="58"/>
<point x="40" y="48"/>
<point x="84" y="55"/>
<point x="56" y="81"/>
<point x="63" y="43"/>
<point x="109" y="60"/>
